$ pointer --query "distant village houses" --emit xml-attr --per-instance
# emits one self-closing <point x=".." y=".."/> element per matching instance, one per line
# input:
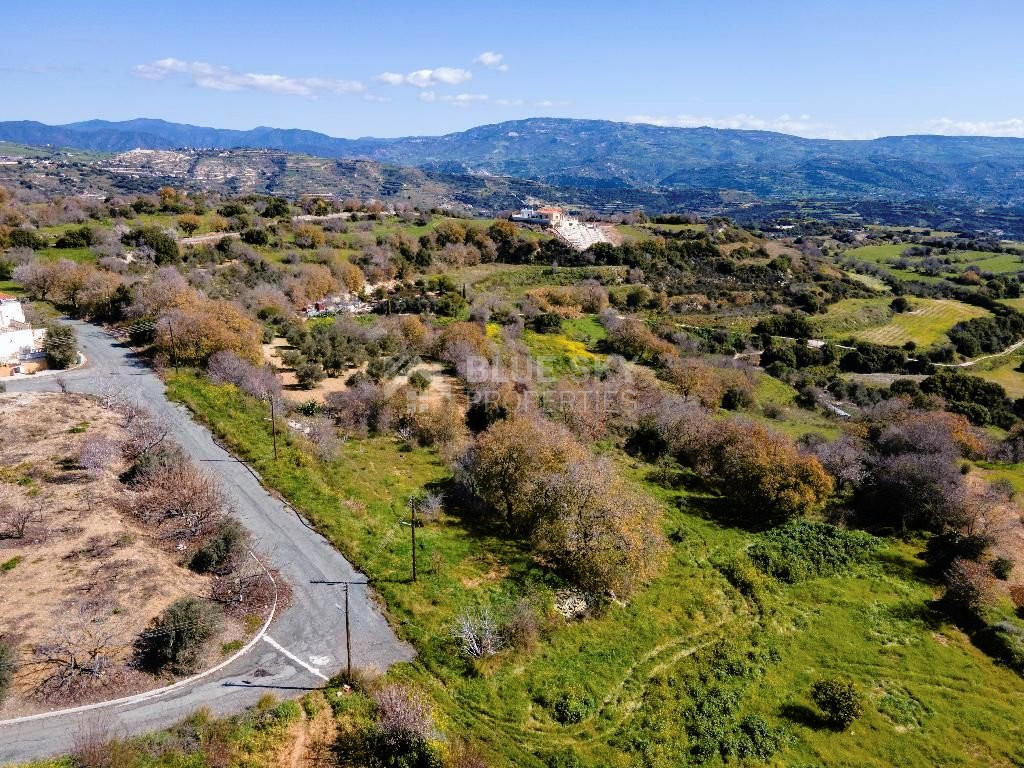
<point x="20" y="344"/>
<point x="340" y="304"/>
<point x="547" y="217"/>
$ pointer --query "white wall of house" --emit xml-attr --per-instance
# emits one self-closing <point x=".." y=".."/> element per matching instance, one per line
<point x="16" y="344"/>
<point x="11" y="312"/>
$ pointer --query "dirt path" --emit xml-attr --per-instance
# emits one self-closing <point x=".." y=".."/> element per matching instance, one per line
<point x="298" y="750"/>
<point x="967" y="363"/>
<point x="211" y="237"/>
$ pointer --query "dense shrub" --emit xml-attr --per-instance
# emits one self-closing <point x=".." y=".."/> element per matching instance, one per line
<point x="222" y="549"/>
<point x="177" y="637"/>
<point x="982" y="402"/>
<point x="163" y="246"/>
<point x="839" y="700"/>
<point x="80" y="237"/>
<point x="255" y="236"/>
<point x="1001" y="568"/>
<point x="804" y="549"/>
<point x="27" y="238"/>
<point x="986" y="335"/>
<point x="793" y="325"/>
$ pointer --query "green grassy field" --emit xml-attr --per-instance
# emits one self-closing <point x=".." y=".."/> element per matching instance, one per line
<point x="870" y="281"/>
<point x="925" y="324"/>
<point x="1003" y="371"/>
<point x="886" y="255"/>
<point x="649" y="231"/>
<point x="514" y="281"/>
<point x="921" y="676"/>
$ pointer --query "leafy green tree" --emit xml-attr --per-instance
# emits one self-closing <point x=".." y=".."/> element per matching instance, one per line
<point x="189" y="224"/>
<point x="164" y="246"/>
<point x="277" y="207"/>
<point x="309" y="374"/>
<point x="61" y="346"/>
<point x="839" y="700"/>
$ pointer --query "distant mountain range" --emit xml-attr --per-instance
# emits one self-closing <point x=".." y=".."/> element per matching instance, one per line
<point x="602" y="155"/>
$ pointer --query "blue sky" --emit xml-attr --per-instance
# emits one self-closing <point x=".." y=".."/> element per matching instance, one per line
<point x="853" y="69"/>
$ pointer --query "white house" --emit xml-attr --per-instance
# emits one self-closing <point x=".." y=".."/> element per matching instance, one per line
<point x="547" y="216"/>
<point x="18" y="340"/>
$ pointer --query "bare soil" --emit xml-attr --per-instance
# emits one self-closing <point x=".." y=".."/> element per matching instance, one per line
<point x="83" y="570"/>
<point x="442" y="385"/>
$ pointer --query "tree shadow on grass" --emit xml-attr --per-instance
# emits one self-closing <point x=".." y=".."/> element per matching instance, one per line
<point x="804" y="715"/>
<point x="724" y="511"/>
<point x="903" y="567"/>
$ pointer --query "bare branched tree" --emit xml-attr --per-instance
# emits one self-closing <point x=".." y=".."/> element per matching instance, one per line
<point x="15" y="516"/>
<point x="146" y="431"/>
<point x="404" y="717"/>
<point x="178" y="499"/>
<point x="96" y="454"/>
<point x="79" y="654"/>
<point x="478" y="633"/>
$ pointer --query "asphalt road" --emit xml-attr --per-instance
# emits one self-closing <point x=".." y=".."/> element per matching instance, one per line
<point x="306" y="642"/>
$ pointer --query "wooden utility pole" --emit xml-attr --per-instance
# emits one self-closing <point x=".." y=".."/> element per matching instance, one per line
<point x="348" y="623"/>
<point x="273" y="424"/>
<point x="348" y="640"/>
<point x="413" y="503"/>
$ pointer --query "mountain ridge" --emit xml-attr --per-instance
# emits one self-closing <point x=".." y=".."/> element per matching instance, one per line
<point x="605" y="154"/>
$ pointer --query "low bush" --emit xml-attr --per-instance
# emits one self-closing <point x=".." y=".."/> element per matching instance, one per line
<point x="1001" y="568"/>
<point x="804" y="550"/>
<point x="221" y="550"/>
<point x="8" y="663"/>
<point x="177" y="637"/>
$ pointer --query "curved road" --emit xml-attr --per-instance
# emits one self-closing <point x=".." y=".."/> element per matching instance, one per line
<point x="306" y="642"/>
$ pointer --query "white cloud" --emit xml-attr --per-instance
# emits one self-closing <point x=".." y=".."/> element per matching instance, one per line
<point x="204" y="75"/>
<point x="456" y="100"/>
<point x="390" y="78"/>
<point x="1013" y="126"/>
<point x="545" y="103"/>
<point x="426" y="78"/>
<point x="376" y="98"/>
<point x="492" y="60"/>
<point x="509" y="102"/>
<point x="801" y="125"/>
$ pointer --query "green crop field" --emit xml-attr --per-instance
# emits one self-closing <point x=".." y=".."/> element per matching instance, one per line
<point x="871" y="320"/>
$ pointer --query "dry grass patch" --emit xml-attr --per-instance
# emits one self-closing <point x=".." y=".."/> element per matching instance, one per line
<point x="85" y="579"/>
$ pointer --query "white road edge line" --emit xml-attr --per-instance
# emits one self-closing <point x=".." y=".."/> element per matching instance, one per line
<point x="140" y="697"/>
<point x="309" y="667"/>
